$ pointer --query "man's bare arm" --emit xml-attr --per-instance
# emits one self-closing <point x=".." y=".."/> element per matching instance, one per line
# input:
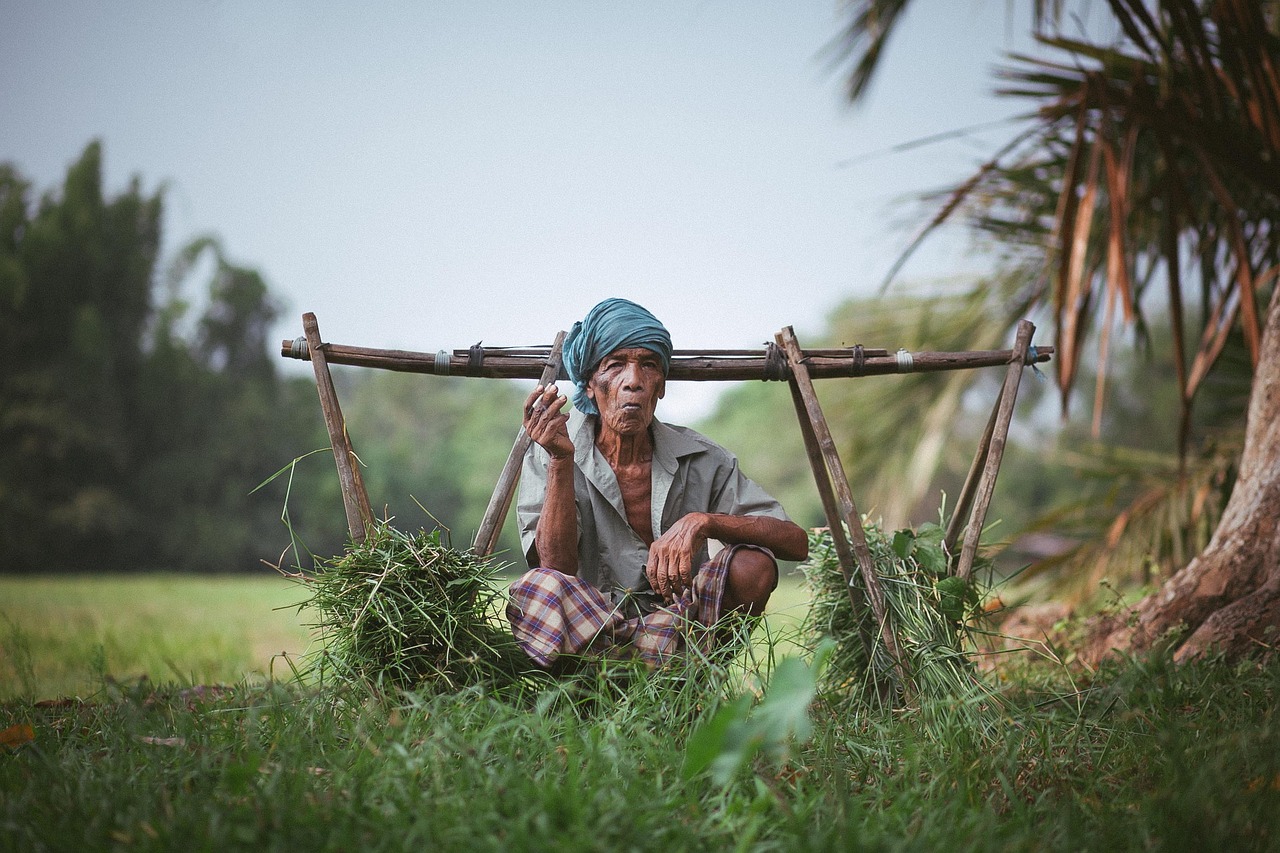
<point x="555" y="539"/>
<point x="786" y="539"/>
<point x="671" y="556"/>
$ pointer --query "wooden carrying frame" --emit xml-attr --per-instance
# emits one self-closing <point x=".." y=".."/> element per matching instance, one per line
<point x="784" y="360"/>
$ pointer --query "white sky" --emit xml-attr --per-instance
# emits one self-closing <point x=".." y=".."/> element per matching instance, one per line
<point x="427" y="175"/>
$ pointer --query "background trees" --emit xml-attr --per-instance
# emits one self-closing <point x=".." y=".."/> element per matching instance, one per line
<point x="75" y="280"/>
<point x="134" y="429"/>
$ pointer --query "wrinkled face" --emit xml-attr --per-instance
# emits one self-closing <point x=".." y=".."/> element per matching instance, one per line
<point x="626" y="388"/>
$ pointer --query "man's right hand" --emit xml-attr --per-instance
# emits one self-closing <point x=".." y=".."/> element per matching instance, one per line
<point x="546" y="423"/>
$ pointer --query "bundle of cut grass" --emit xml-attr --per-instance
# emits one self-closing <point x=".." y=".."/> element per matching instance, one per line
<point x="408" y="611"/>
<point x="927" y="610"/>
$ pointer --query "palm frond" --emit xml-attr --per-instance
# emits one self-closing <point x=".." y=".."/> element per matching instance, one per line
<point x="1138" y="161"/>
<point x="863" y="41"/>
<point x="1156" y="511"/>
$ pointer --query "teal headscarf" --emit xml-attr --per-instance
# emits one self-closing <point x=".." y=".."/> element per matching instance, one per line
<point x="613" y="324"/>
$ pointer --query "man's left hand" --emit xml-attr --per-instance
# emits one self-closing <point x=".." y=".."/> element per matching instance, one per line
<point x="671" y="556"/>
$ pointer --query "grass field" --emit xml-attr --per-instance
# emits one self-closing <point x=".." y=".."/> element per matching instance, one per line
<point x="193" y="630"/>
<point x="1140" y="755"/>
<point x="62" y="635"/>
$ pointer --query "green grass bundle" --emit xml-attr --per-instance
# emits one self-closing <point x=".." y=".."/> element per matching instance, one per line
<point x="927" y="610"/>
<point x="408" y="611"/>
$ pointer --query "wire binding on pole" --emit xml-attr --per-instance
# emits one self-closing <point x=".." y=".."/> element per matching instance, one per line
<point x="442" y="363"/>
<point x="859" y="360"/>
<point x="905" y="361"/>
<point x="299" y="349"/>
<point x="775" y="364"/>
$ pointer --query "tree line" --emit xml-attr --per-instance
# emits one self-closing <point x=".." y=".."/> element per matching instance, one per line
<point x="135" y="431"/>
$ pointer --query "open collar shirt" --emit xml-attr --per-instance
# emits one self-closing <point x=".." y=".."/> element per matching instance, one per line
<point x="691" y="473"/>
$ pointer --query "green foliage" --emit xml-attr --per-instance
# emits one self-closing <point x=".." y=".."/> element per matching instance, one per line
<point x="231" y="335"/>
<point x="1143" y="176"/>
<point x="731" y="739"/>
<point x="76" y="275"/>
<point x="122" y="445"/>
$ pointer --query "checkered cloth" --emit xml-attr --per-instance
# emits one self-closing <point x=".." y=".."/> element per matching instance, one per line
<point x="554" y="614"/>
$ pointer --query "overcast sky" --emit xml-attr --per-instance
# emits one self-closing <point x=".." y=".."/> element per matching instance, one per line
<point x="427" y="175"/>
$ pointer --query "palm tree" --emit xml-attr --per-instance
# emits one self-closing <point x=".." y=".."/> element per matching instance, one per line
<point x="1151" y="167"/>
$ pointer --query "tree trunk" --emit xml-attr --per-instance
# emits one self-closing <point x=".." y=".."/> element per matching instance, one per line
<point x="1228" y="598"/>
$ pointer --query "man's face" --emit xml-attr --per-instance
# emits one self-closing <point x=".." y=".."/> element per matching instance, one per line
<point x="626" y="388"/>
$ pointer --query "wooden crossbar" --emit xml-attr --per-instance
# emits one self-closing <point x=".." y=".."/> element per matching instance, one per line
<point x="696" y="365"/>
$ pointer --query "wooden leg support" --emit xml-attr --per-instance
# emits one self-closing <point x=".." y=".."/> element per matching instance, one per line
<point x="500" y="503"/>
<point x="833" y="485"/>
<point x="964" y="501"/>
<point x="844" y="550"/>
<point x="990" y="454"/>
<point x="355" y="499"/>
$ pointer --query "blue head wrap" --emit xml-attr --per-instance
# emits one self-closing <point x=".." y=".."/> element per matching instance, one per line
<point x="613" y="324"/>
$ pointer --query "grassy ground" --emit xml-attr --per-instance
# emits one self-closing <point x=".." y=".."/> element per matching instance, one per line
<point x="64" y="634"/>
<point x="1142" y="755"/>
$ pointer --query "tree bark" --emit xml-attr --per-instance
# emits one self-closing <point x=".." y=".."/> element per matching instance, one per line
<point x="1227" y="599"/>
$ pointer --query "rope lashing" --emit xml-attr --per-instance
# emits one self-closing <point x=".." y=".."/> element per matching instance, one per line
<point x="442" y="363"/>
<point x="775" y="364"/>
<point x="859" y="360"/>
<point x="298" y="349"/>
<point x="475" y="355"/>
<point x="1033" y="355"/>
<point x="905" y="361"/>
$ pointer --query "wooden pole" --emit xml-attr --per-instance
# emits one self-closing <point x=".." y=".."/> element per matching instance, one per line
<point x="834" y="469"/>
<point x="500" y="503"/>
<point x="995" y="453"/>
<point x="844" y="551"/>
<point x="964" y="501"/>
<point x="355" y="499"/>
<point x="695" y="365"/>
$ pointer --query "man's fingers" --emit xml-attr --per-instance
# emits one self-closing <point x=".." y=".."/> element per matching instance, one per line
<point x="685" y="575"/>
<point x="663" y="578"/>
<point x="656" y="579"/>
<point x="543" y="399"/>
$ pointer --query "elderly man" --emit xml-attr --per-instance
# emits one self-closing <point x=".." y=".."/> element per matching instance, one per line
<point x="616" y="509"/>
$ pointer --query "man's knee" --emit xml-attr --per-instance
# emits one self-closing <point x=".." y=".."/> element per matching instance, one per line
<point x="752" y="578"/>
<point x="542" y="575"/>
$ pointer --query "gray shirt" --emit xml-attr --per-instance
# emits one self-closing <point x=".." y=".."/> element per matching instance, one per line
<point x="691" y="473"/>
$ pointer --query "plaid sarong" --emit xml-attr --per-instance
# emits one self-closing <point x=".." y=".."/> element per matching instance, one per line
<point x="554" y="614"/>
